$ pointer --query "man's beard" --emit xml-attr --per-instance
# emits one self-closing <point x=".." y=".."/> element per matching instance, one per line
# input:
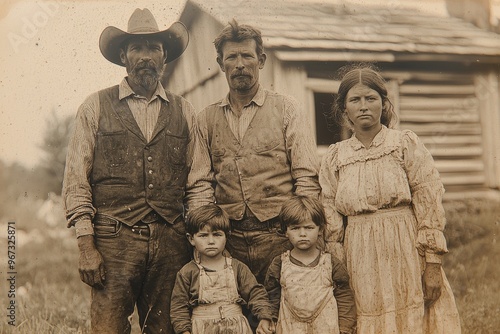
<point x="146" y="74"/>
<point x="242" y="80"/>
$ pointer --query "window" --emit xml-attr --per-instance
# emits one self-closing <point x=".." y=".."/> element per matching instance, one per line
<point x="326" y="132"/>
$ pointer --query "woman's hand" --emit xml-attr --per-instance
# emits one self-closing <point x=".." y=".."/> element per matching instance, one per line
<point x="432" y="282"/>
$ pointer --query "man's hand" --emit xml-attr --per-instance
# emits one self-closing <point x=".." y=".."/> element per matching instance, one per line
<point x="432" y="282"/>
<point x="91" y="266"/>
<point x="266" y="327"/>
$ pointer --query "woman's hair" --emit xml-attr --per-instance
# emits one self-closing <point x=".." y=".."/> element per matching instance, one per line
<point x="209" y="215"/>
<point x="369" y="76"/>
<point x="235" y="32"/>
<point x="300" y="208"/>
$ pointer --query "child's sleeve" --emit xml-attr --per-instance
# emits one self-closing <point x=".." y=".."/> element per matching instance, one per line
<point x="180" y="313"/>
<point x="273" y="286"/>
<point x="344" y="296"/>
<point x="253" y="293"/>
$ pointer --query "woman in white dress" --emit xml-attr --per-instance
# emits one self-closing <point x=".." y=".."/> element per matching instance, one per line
<point x="384" y="184"/>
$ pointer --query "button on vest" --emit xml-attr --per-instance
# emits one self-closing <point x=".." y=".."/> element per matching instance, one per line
<point x="131" y="176"/>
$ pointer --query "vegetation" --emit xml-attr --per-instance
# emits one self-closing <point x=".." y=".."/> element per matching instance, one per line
<point x="472" y="267"/>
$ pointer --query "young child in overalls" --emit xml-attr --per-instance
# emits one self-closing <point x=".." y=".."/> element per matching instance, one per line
<point x="210" y="290"/>
<point x="308" y="288"/>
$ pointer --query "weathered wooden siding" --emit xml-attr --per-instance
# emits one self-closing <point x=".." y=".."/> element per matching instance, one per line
<point x="443" y="110"/>
<point x="196" y="75"/>
<point x="454" y="109"/>
<point x="487" y="92"/>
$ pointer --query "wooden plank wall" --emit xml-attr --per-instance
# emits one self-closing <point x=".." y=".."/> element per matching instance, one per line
<point x="443" y="110"/>
<point x="196" y="74"/>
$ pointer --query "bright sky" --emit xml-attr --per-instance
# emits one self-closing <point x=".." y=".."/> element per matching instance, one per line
<point x="50" y="60"/>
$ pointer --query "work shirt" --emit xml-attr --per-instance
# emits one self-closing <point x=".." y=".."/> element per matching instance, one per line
<point x="77" y="190"/>
<point x="269" y="144"/>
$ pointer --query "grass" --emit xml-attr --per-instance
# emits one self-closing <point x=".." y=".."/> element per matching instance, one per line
<point x="472" y="265"/>
<point x="52" y="299"/>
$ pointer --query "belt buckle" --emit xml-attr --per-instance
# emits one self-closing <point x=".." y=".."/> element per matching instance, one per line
<point x="248" y="224"/>
<point x="140" y="228"/>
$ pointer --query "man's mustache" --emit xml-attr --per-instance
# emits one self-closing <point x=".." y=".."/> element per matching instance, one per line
<point x="240" y="73"/>
<point x="150" y="64"/>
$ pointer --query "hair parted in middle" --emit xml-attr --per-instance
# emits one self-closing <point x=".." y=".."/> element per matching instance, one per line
<point x="235" y="32"/>
<point x="299" y="208"/>
<point x="368" y="75"/>
<point x="210" y="215"/>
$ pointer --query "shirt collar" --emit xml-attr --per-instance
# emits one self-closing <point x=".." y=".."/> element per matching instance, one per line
<point x="377" y="140"/>
<point x="124" y="90"/>
<point x="258" y="98"/>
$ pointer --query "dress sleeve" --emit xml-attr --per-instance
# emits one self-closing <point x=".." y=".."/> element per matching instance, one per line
<point x="328" y="180"/>
<point x="427" y="192"/>
<point x="180" y="311"/>
<point x="273" y="286"/>
<point x="252" y="292"/>
<point x="344" y="296"/>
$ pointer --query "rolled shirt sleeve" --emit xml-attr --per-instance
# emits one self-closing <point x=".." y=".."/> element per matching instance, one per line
<point x="200" y="189"/>
<point x="328" y="180"/>
<point x="77" y="192"/>
<point x="301" y="150"/>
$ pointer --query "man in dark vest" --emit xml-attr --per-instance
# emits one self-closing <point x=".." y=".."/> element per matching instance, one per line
<point x="259" y="151"/>
<point x="126" y="172"/>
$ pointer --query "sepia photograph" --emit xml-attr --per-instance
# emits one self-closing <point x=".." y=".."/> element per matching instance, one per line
<point x="250" y="166"/>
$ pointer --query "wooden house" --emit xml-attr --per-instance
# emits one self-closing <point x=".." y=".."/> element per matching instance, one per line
<point x="442" y="73"/>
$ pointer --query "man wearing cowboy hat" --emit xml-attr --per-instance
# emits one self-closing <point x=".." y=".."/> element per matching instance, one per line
<point x="126" y="172"/>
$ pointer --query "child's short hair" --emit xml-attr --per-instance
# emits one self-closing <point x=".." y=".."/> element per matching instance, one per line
<point x="209" y="215"/>
<point x="300" y="208"/>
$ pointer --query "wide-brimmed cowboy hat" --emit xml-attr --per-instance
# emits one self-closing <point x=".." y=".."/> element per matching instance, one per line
<point x="143" y="24"/>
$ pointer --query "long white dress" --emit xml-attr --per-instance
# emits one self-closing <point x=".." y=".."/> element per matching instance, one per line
<point x="391" y="194"/>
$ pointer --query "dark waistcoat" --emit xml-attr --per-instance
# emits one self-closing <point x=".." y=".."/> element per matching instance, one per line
<point x="131" y="176"/>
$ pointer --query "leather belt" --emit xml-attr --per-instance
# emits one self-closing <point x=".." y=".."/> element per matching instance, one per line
<point x="141" y="229"/>
<point x="253" y="224"/>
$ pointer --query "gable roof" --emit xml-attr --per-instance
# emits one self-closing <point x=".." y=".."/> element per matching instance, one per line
<point x="323" y="31"/>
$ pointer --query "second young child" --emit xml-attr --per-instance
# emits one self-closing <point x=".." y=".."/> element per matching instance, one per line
<point x="308" y="288"/>
<point x="210" y="290"/>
